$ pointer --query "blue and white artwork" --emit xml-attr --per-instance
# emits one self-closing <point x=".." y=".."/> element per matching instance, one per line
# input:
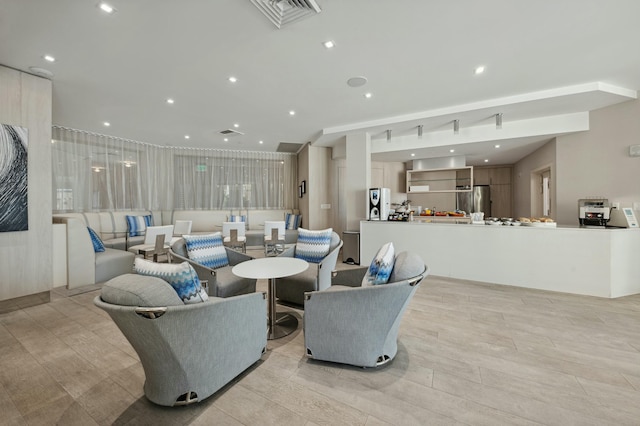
<point x="13" y="178"/>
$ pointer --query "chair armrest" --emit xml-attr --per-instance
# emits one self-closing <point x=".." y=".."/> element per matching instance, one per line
<point x="289" y="252"/>
<point x="326" y="267"/>
<point x="204" y="273"/>
<point x="236" y="257"/>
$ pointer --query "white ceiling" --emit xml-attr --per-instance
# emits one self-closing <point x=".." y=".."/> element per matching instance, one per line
<point x="546" y="61"/>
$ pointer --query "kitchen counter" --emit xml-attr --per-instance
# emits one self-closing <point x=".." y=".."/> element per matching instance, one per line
<point x="595" y="262"/>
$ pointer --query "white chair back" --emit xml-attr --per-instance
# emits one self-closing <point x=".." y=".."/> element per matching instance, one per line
<point x="273" y="224"/>
<point x="153" y="231"/>
<point x="182" y="227"/>
<point x="228" y="226"/>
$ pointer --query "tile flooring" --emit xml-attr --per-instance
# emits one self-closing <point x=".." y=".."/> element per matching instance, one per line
<point x="469" y="354"/>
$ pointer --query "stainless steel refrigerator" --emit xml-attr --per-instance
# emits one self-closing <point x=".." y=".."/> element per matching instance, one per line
<point x="477" y="200"/>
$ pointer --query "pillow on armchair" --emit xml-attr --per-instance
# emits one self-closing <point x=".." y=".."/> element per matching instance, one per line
<point x="207" y="250"/>
<point x="181" y="276"/>
<point x="313" y="246"/>
<point x="138" y="224"/>
<point x="381" y="266"/>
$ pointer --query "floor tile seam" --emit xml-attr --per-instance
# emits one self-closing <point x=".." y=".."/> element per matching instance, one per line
<point x="594" y="402"/>
<point x="634" y="367"/>
<point x="514" y="411"/>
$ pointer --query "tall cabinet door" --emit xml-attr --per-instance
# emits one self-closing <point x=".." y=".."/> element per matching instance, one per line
<point x="501" y="196"/>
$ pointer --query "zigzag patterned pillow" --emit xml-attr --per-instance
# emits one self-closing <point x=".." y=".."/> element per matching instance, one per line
<point x="181" y="276"/>
<point x="313" y="246"/>
<point x="207" y="250"/>
<point x="138" y="224"/>
<point x="381" y="266"/>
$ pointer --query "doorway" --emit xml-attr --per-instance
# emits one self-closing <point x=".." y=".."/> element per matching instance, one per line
<point x="541" y="192"/>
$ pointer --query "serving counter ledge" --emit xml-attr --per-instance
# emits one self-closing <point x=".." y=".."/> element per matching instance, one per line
<point x="594" y="262"/>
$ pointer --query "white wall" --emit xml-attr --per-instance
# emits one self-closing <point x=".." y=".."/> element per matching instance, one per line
<point x="541" y="158"/>
<point x="597" y="162"/>
<point x="26" y="265"/>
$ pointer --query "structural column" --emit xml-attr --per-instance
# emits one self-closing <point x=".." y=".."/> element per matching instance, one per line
<point x="358" y="174"/>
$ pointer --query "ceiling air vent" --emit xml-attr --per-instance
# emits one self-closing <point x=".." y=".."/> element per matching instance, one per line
<point x="283" y="12"/>
<point x="230" y="132"/>
<point x="289" y="147"/>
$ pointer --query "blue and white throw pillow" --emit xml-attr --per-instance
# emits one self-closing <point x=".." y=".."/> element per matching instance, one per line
<point x="292" y="221"/>
<point x="137" y="225"/>
<point x="181" y="276"/>
<point x="237" y="218"/>
<point x="313" y="246"/>
<point x="381" y="266"/>
<point x="98" y="245"/>
<point x="207" y="250"/>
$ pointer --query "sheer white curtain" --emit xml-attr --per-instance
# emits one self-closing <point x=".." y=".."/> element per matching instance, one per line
<point x="98" y="172"/>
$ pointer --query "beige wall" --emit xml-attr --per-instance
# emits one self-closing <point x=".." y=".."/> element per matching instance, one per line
<point x="26" y="265"/>
<point x="545" y="157"/>
<point x="314" y="167"/>
<point x="597" y="162"/>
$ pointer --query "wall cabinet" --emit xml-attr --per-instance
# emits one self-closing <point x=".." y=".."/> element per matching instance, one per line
<point x="439" y="180"/>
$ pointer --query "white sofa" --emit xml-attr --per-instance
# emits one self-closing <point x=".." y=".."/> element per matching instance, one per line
<point x="83" y="265"/>
<point x="112" y="226"/>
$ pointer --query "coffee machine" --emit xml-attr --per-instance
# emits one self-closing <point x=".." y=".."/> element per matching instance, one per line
<point x="594" y="212"/>
<point x="379" y="203"/>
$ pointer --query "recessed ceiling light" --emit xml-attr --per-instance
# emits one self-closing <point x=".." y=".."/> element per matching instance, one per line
<point x="49" y="58"/>
<point x="486" y="160"/>
<point x="105" y="7"/>
<point x="170" y="101"/>
<point x="292" y="112"/>
<point x="107" y="124"/>
<point x="452" y="150"/>
<point x="260" y="142"/>
<point x="187" y="136"/>
<point x="412" y="154"/>
<point x="226" y="139"/>
<point x="479" y="70"/>
<point x="368" y="95"/>
<point x="328" y="44"/>
<point x="496" y="146"/>
<point x="233" y="79"/>
<point x="236" y="125"/>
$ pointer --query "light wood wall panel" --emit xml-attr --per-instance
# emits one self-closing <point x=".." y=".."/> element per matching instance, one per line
<point x="26" y="256"/>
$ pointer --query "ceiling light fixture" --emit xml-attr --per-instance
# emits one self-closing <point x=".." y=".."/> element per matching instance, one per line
<point x="420" y="126"/>
<point x="456" y="126"/>
<point x="486" y="160"/>
<point x="187" y="136"/>
<point x="452" y="150"/>
<point x="496" y="146"/>
<point x="413" y="155"/>
<point x="329" y="44"/>
<point x="479" y="70"/>
<point x="260" y="142"/>
<point x="292" y="112"/>
<point x="226" y="139"/>
<point x="105" y="7"/>
<point x="170" y="101"/>
<point x="499" y="120"/>
<point x="232" y="79"/>
<point x="107" y="124"/>
<point x="236" y="125"/>
<point x="368" y="95"/>
<point x="49" y="58"/>
<point x="388" y="135"/>
<point x="357" y="81"/>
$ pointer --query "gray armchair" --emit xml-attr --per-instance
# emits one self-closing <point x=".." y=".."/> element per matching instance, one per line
<point x="316" y="278"/>
<point x="359" y="325"/>
<point x="188" y="352"/>
<point x="221" y="281"/>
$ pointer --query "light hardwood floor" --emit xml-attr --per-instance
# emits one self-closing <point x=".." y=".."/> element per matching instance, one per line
<point x="469" y="353"/>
